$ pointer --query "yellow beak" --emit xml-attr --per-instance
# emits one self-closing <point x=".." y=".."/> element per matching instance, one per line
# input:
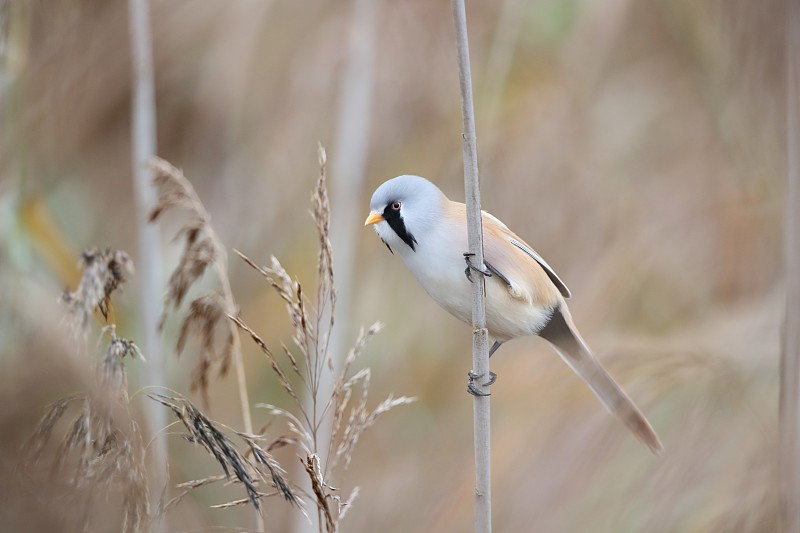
<point x="373" y="218"/>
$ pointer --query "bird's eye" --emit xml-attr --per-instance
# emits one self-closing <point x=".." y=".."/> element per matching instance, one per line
<point x="396" y="206"/>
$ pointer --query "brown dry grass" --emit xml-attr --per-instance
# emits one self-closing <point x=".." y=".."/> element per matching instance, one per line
<point x="104" y="271"/>
<point x="202" y="250"/>
<point x="312" y="324"/>
<point x="261" y="469"/>
<point x="102" y="446"/>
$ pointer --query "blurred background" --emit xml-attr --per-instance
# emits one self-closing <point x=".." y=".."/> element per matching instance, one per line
<point x="638" y="145"/>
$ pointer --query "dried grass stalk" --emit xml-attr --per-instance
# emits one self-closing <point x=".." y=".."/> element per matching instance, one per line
<point x="189" y="486"/>
<point x="361" y="419"/>
<point x="202" y="249"/>
<point x="321" y="213"/>
<point x="307" y="340"/>
<point x="103" y="438"/>
<point x="265" y="461"/>
<point x="282" y="378"/>
<point x="301" y="430"/>
<point x="104" y="271"/>
<point x="236" y="465"/>
<point x="290" y="291"/>
<point x="311" y="324"/>
<point x="312" y="327"/>
<point x="114" y="378"/>
<point x="205" y="316"/>
<point x="53" y="414"/>
<point x="242" y="501"/>
<point x="321" y="490"/>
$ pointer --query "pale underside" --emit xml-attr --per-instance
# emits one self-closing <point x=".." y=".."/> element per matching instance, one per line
<point x="515" y="309"/>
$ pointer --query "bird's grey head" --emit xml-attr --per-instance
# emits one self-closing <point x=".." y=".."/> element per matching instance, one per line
<point x="403" y="209"/>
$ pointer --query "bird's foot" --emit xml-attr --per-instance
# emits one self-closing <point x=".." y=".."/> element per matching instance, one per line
<point x="475" y="391"/>
<point x="470" y="266"/>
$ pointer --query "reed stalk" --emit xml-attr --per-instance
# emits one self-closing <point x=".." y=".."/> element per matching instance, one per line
<point x="143" y="148"/>
<point x="480" y="338"/>
<point x="790" y="358"/>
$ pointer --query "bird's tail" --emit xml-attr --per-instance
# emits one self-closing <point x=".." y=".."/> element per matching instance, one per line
<point x="564" y="337"/>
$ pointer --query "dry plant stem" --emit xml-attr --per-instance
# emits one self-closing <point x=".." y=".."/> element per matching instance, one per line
<point x="345" y="403"/>
<point x="143" y="138"/>
<point x="238" y="361"/>
<point x="188" y="198"/>
<point x="104" y="440"/>
<point x="252" y="468"/>
<point x="480" y="340"/>
<point x="352" y="135"/>
<point x="790" y="360"/>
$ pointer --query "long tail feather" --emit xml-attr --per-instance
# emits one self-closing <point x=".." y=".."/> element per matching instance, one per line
<point x="564" y="337"/>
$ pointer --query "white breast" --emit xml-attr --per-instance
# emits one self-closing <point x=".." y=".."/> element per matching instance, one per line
<point x="438" y="265"/>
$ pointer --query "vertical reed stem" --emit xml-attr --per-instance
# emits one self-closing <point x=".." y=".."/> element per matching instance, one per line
<point x="790" y="358"/>
<point x="238" y="360"/>
<point x="143" y="148"/>
<point x="480" y="340"/>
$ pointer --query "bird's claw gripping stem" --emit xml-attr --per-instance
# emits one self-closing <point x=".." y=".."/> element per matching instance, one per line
<point x="472" y="389"/>
<point x="470" y="266"/>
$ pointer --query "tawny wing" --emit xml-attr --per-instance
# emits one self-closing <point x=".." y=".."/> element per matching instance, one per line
<point x="519" y="262"/>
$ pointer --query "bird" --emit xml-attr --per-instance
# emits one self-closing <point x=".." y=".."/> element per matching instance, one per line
<point x="524" y="295"/>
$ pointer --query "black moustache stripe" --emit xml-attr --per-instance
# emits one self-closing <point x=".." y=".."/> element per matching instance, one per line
<point x="397" y="224"/>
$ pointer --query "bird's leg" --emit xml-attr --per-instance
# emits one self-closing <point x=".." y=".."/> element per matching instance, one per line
<point x="494" y="347"/>
<point x="470" y="266"/>
<point x="472" y="389"/>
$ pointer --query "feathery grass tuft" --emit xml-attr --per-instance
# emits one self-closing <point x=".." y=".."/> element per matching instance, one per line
<point x="312" y="324"/>
<point x="299" y="370"/>
<point x="321" y="491"/>
<point x="205" y="432"/>
<point x="104" y="271"/>
<point x="103" y="439"/>
<point x="202" y="249"/>
<point x="113" y="375"/>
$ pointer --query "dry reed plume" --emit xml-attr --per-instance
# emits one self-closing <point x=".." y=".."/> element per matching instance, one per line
<point x="299" y="370"/>
<point x="202" y="249"/>
<point x="236" y="464"/>
<point x="103" y="440"/>
<point x="103" y="272"/>
<point x="312" y="324"/>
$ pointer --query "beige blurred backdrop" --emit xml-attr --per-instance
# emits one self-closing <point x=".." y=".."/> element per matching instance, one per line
<point x="638" y="145"/>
